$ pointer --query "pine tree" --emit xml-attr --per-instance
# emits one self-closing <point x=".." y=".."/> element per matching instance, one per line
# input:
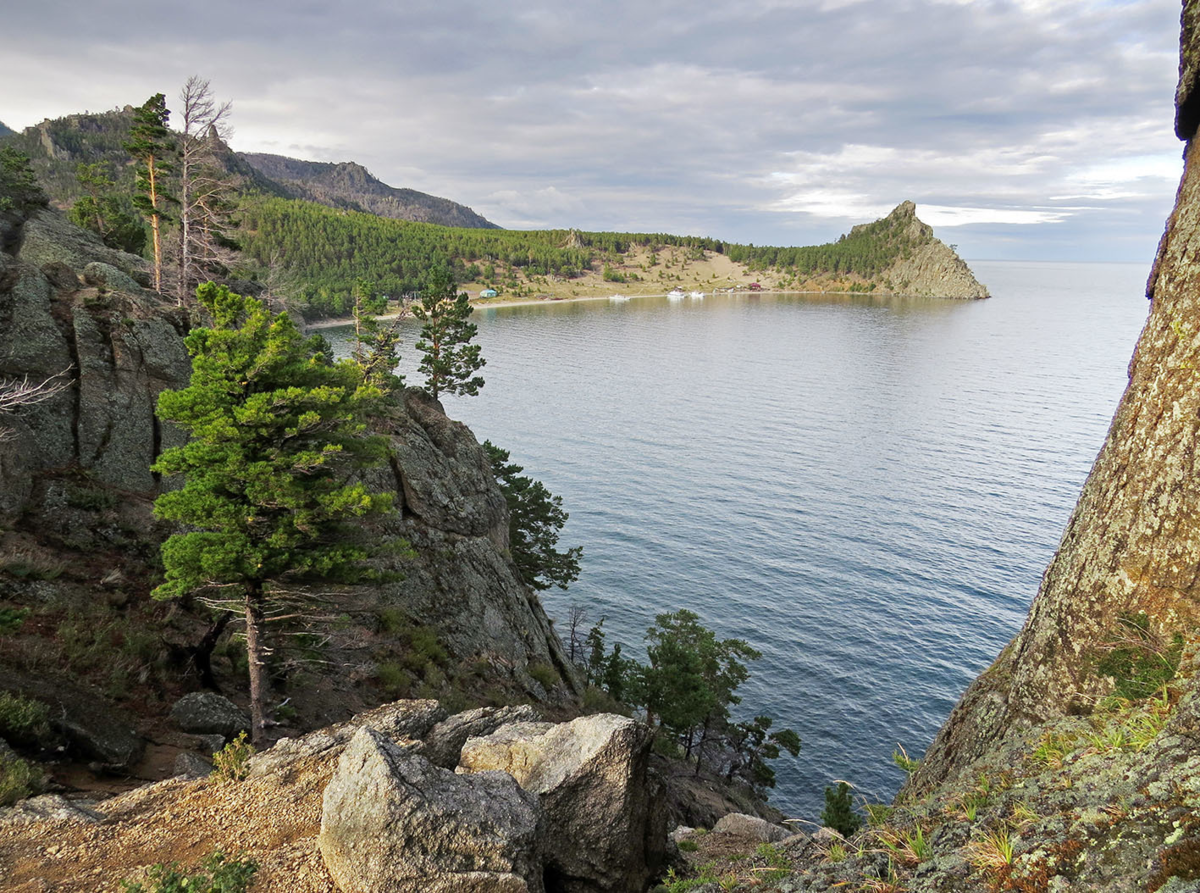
<point x="450" y="361"/>
<point x="270" y="496"/>
<point x="839" y="813"/>
<point x="153" y="147"/>
<point x="535" y="518"/>
<point x="102" y="211"/>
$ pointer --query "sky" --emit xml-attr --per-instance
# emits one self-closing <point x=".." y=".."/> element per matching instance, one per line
<point x="1023" y="129"/>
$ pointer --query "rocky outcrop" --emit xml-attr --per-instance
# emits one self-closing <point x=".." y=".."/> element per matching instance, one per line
<point x="75" y="469"/>
<point x="606" y="830"/>
<point x="460" y="578"/>
<point x="116" y="351"/>
<point x="392" y="822"/>
<point x="928" y="267"/>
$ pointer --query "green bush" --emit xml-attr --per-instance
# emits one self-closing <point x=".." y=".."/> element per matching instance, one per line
<point x="12" y="619"/>
<point x="216" y="875"/>
<point x="18" y="779"/>
<point x="839" y="813"/>
<point x="544" y="674"/>
<point x="23" y="720"/>
<point x="395" y="681"/>
<point x="232" y="762"/>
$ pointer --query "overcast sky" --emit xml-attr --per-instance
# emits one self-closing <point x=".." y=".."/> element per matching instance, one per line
<point x="1032" y="129"/>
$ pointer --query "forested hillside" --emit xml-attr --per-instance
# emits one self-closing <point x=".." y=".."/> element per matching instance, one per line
<point x="328" y="252"/>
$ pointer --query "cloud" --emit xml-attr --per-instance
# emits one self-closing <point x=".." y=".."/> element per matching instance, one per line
<point x="765" y="121"/>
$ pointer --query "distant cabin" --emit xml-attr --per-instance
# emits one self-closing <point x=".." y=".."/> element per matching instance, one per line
<point x="489" y="293"/>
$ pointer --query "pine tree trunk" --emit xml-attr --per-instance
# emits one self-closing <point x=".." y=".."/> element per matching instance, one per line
<point x="185" y="221"/>
<point x="254" y="655"/>
<point x="152" y="171"/>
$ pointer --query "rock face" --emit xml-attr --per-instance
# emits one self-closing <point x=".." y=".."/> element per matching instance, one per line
<point x="606" y="830"/>
<point x="115" y="351"/>
<point x="457" y="521"/>
<point x="392" y="822"/>
<point x="1129" y="555"/>
<point x="933" y="269"/>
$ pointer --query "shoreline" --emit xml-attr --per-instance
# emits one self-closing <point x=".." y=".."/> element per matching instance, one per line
<point x="529" y="302"/>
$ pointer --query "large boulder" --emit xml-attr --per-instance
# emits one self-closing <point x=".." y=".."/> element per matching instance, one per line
<point x="751" y="827"/>
<point x="444" y="743"/>
<point x="208" y="713"/>
<point x="393" y="822"/>
<point x="606" y="832"/>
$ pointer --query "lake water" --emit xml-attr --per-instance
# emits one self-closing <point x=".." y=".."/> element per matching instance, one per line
<point x="866" y="490"/>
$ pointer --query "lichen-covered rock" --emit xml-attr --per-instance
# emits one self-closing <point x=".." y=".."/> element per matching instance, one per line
<point x="750" y="827"/>
<point x="444" y="743"/>
<point x="392" y="822"/>
<point x="208" y="713"/>
<point x="192" y="765"/>
<point x="605" y="828"/>
<point x="108" y="277"/>
<point x="460" y="578"/>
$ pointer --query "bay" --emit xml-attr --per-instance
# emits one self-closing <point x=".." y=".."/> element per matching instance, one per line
<point x="865" y="489"/>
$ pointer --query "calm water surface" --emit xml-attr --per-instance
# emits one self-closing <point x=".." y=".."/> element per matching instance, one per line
<point x="866" y="490"/>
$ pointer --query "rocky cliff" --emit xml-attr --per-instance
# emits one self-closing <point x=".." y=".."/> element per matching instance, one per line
<point x="928" y="267"/>
<point x="78" y="541"/>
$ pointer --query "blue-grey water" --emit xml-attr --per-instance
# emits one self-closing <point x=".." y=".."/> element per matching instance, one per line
<point x="866" y="490"/>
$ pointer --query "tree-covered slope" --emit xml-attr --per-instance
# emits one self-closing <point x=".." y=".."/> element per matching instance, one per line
<point x="5" y="130"/>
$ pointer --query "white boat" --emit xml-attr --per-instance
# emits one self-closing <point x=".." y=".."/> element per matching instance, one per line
<point x="675" y="294"/>
<point x="697" y="296"/>
<point x="618" y="299"/>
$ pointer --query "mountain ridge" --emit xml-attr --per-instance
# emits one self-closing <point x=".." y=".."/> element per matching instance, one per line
<point x="350" y="185"/>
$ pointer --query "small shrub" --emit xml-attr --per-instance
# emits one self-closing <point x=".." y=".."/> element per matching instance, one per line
<point x="391" y="621"/>
<point x="903" y="761"/>
<point x="395" y="681"/>
<point x="12" y="619"/>
<point x="18" y="779"/>
<point x="92" y="499"/>
<point x="544" y="674"/>
<point x="216" y="875"/>
<point x="1138" y="661"/>
<point x="839" y="813"/>
<point x="23" y="720"/>
<point x="232" y="762"/>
